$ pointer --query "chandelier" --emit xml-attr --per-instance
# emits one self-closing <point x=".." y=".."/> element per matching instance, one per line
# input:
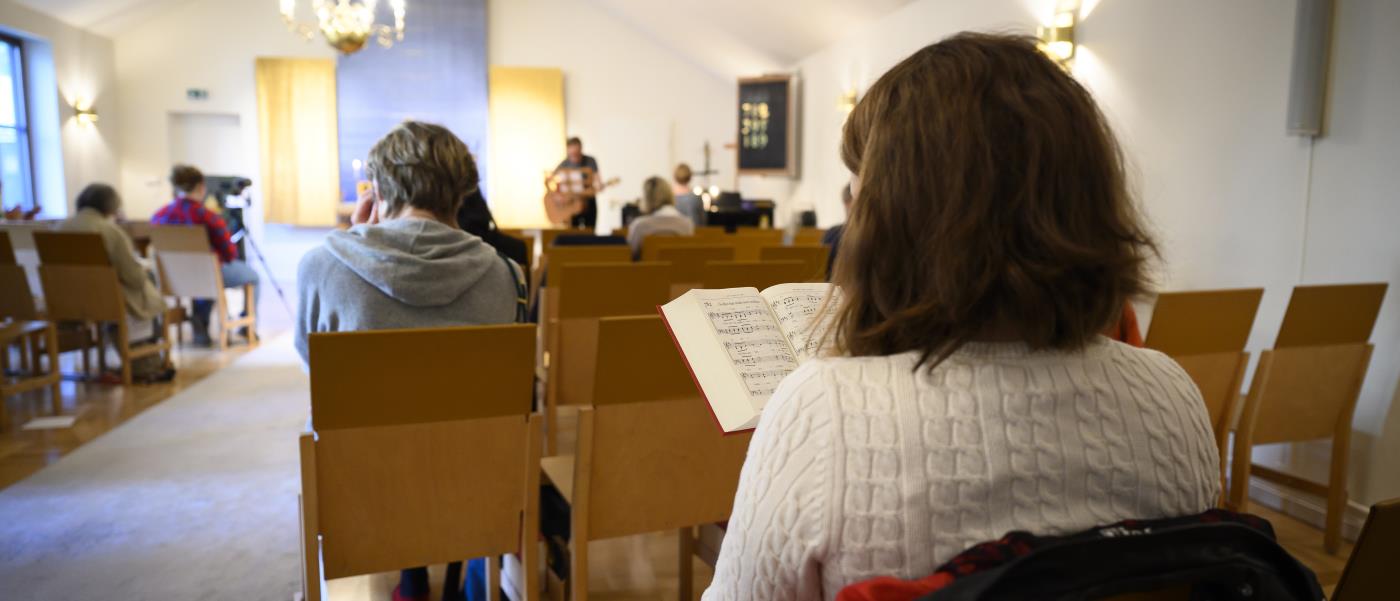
<point x="346" y="24"/>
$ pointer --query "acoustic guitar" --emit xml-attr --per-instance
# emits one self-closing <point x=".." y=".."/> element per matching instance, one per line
<point x="567" y="192"/>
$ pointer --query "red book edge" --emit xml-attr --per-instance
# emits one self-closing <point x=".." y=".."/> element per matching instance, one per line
<point x="708" y="406"/>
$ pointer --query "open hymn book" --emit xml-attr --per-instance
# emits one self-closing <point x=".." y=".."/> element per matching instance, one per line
<point x="740" y="343"/>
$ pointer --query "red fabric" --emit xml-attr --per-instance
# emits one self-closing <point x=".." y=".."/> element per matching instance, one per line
<point x="886" y="588"/>
<point x="1126" y="330"/>
<point x="184" y="211"/>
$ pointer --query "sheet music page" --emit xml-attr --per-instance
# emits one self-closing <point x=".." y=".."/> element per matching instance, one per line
<point x="752" y="340"/>
<point x="796" y="307"/>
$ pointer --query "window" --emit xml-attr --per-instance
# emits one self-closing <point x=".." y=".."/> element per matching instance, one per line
<point x="15" y="173"/>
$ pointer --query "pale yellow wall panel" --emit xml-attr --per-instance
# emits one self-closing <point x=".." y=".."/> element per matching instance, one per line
<point x="527" y="140"/>
<point x="298" y="135"/>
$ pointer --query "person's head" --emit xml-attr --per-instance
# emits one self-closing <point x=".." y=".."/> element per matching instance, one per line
<point x="575" y="149"/>
<point x="992" y="206"/>
<point x="421" y="166"/>
<point x="682" y="174"/>
<point x="656" y="193"/>
<point x="101" y="198"/>
<point x="188" y="182"/>
<point x="474" y="216"/>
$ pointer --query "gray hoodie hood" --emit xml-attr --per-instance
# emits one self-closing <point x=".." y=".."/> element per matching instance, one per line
<point x="419" y="262"/>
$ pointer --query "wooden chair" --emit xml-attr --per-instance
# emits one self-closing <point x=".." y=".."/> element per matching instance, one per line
<point x="547" y="281"/>
<point x="653" y="245"/>
<point x="749" y="243"/>
<point x="548" y="235"/>
<point x="710" y="230"/>
<point x="189" y="270"/>
<point x="808" y="236"/>
<point x="79" y="285"/>
<point x="18" y="304"/>
<point x="815" y="257"/>
<point x="1368" y="572"/>
<point x="649" y="457"/>
<point x="1206" y="333"/>
<point x="21" y="236"/>
<point x="445" y="472"/>
<point x="33" y="378"/>
<point x="688" y="263"/>
<point x="587" y="292"/>
<point x="756" y="274"/>
<point x="1306" y="388"/>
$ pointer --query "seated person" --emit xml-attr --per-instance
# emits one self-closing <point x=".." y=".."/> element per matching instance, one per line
<point x="475" y="218"/>
<point x="659" y="216"/>
<point x="188" y="209"/>
<point x="967" y="392"/>
<point x="97" y="208"/>
<point x="404" y="263"/>
<point x="832" y="236"/>
<point x="687" y="202"/>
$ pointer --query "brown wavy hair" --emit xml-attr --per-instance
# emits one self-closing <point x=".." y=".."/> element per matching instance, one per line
<point x="991" y="204"/>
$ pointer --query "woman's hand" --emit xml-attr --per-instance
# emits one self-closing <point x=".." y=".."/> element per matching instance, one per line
<point x="367" y="207"/>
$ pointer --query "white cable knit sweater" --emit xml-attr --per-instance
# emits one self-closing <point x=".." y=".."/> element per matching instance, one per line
<point x="864" y="467"/>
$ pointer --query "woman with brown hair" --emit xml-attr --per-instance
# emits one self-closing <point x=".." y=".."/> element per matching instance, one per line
<point x="970" y="393"/>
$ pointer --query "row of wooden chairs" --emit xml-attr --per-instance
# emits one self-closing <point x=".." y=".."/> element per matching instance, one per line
<point x="1305" y="388"/>
<point x="450" y="471"/>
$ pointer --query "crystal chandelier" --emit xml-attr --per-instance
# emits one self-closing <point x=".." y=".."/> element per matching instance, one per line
<point x="346" y="24"/>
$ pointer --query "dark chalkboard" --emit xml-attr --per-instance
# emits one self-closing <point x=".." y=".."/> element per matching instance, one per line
<point x="767" y="128"/>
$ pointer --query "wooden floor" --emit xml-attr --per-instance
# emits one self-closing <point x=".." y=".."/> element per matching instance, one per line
<point x="634" y="568"/>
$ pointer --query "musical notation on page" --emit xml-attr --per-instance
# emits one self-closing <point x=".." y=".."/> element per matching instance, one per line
<point x="755" y="345"/>
<point x="796" y="307"/>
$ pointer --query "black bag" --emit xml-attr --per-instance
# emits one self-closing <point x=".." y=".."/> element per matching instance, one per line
<point x="1215" y="560"/>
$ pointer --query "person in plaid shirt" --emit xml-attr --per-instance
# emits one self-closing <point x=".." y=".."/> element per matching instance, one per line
<point x="188" y="209"/>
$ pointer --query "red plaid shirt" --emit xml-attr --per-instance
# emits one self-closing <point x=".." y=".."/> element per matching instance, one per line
<point x="184" y="211"/>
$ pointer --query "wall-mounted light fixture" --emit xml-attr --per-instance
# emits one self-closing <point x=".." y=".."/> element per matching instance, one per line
<point x="1057" y="38"/>
<point x="84" y="113"/>
<point x="847" y="102"/>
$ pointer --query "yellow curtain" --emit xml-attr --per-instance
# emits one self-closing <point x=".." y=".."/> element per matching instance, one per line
<point x="527" y="140"/>
<point x="297" y="132"/>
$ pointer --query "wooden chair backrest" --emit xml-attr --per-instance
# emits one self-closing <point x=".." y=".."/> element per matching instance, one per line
<point x="139" y="229"/>
<point x="81" y="293"/>
<point x="1304" y="393"/>
<point x="71" y="248"/>
<point x="609" y="289"/>
<point x="1219" y="377"/>
<point x="651" y="457"/>
<point x="808" y="236"/>
<point x="424" y="450"/>
<point x="748" y="244"/>
<point x="16" y="298"/>
<point x="815" y="257"/>
<point x="180" y="238"/>
<point x="188" y="274"/>
<point x="758" y="274"/>
<point x="1327" y="315"/>
<point x="560" y="256"/>
<point x="653" y="245"/>
<point x="710" y="230"/>
<point x="1203" y="321"/>
<point x="21" y="245"/>
<point x="688" y="262"/>
<point x="7" y="252"/>
<point x="1370" y="572"/>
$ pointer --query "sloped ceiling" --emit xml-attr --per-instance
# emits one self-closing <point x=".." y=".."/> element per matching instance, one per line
<point x="726" y="37"/>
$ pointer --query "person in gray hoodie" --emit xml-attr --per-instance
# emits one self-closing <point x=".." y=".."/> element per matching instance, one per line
<point x="404" y="263"/>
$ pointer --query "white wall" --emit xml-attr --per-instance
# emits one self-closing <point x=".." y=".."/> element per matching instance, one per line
<point x="1197" y="92"/>
<point x="638" y="106"/>
<point x="208" y="44"/>
<point x="72" y="155"/>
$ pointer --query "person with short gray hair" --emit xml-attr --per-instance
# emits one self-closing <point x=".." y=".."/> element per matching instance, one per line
<point x="404" y="263"/>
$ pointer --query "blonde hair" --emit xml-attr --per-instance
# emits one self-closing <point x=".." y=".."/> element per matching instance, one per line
<point x="656" y="193"/>
<point x="423" y="166"/>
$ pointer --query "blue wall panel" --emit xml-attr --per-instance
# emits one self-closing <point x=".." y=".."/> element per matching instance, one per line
<point x="438" y="73"/>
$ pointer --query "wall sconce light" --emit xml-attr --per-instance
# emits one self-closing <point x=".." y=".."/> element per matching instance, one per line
<point x="847" y="102"/>
<point x="1057" y="38"/>
<point x="85" y="114"/>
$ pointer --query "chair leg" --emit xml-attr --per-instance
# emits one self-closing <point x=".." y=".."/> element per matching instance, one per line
<point x="686" y="552"/>
<point x="101" y="350"/>
<point x="1336" y="494"/>
<point x="494" y="575"/>
<point x="223" y="322"/>
<point x="578" y="569"/>
<point x="51" y="341"/>
<point x="1239" y="476"/>
<point x="26" y="362"/>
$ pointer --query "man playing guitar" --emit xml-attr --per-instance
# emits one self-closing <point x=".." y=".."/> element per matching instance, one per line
<point x="573" y="188"/>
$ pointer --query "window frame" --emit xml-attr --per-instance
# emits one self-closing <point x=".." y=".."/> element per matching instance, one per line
<point x="28" y="197"/>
